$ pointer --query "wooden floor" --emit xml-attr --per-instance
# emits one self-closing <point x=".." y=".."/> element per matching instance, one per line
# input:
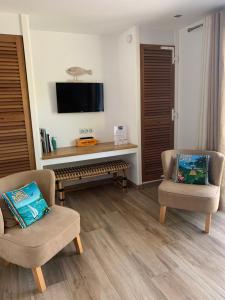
<point x="128" y="254"/>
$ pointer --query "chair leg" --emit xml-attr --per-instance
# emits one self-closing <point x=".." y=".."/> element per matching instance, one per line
<point x="39" y="279"/>
<point x="162" y="214"/>
<point x="208" y="220"/>
<point x="78" y="244"/>
<point x="124" y="181"/>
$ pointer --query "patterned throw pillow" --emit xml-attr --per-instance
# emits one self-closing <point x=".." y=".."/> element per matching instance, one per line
<point x="192" y="169"/>
<point x="27" y="204"/>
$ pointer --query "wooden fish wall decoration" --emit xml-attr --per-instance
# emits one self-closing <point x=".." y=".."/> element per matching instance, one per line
<point x="77" y="71"/>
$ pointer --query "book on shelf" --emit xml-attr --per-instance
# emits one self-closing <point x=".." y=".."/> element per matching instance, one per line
<point x="45" y="141"/>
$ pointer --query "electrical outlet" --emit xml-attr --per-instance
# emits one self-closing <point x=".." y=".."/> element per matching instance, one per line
<point x="82" y="130"/>
<point x="86" y="131"/>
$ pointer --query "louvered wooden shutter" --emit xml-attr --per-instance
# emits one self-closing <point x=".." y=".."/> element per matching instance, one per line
<point x="157" y="97"/>
<point x="16" y="141"/>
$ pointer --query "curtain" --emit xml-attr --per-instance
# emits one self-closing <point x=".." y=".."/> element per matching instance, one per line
<point x="221" y="96"/>
<point x="213" y="116"/>
<point x="206" y="43"/>
<point x="213" y="95"/>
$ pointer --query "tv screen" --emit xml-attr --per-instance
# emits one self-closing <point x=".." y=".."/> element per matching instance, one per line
<point x="79" y="97"/>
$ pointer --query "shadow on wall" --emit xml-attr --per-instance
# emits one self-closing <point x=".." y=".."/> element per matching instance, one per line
<point x="52" y="96"/>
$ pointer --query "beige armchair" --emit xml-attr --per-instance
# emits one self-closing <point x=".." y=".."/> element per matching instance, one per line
<point x="198" y="198"/>
<point x="33" y="246"/>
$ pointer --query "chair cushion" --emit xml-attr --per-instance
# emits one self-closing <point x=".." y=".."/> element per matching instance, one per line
<point x="199" y="198"/>
<point x="26" y="204"/>
<point x="36" y="244"/>
<point x="192" y="168"/>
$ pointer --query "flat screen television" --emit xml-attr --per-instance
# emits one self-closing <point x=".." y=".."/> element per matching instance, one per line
<point x="76" y="97"/>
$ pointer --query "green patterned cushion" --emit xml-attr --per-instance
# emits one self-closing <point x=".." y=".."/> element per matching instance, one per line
<point x="192" y="169"/>
<point x="27" y="204"/>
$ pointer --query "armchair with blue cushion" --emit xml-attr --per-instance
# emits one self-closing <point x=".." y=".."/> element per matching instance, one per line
<point x="35" y="245"/>
<point x="192" y="197"/>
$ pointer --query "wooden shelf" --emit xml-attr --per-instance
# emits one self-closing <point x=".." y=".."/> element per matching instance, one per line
<point x="75" y="151"/>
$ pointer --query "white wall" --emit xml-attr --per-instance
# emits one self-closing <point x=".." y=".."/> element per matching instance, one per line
<point x="25" y="28"/>
<point x="152" y="36"/>
<point x="129" y="87"/>
<point x="113" y="61"/>
<point x="10" y="24"/>
<point x="110" y="53"/>
<point x="53" y="53"/>
<point x="122" y="83"/>
<point x="189" y="86"/>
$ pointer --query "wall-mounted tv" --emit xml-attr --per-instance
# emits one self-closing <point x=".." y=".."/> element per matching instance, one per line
<point x="76" y="97"/>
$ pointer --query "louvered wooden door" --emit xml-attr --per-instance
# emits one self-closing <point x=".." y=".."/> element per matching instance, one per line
<point x="157" y="100"/>
<point x="16" y="141"/>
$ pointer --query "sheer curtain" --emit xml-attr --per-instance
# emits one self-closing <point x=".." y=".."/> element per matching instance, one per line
<point x="206" y="43"/>
<point x="212" y="127"/>
<point x="221" y="97"/>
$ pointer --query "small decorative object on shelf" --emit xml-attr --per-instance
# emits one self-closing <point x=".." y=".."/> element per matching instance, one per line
<point x="54" y="143"/>
<point x="120" y="135"/>
<point x="82" y="142"/>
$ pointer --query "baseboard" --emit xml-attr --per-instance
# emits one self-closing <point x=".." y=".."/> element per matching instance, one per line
<point x="141" y="186"/>
<point x="152" y="181"/>
<point x="134" y="185"/>
<point x="144" y="184"/>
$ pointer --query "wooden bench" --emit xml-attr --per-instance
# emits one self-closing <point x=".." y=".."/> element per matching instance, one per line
<point x="93" y="170"/>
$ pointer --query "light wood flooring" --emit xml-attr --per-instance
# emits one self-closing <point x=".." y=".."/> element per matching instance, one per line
<point x="128" y="254"/>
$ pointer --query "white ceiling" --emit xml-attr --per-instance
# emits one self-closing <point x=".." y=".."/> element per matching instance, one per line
<point x="107" y="16"/>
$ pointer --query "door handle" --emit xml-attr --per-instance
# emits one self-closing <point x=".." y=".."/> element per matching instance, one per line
<point x="173" y="114"/>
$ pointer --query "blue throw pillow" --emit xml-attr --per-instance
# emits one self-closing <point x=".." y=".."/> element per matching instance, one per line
<point x="192" y="169"/>
<point x="27" y="204"/>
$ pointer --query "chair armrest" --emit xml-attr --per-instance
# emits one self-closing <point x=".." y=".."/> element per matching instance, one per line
<point x="1" y="223"/>
<point x="46" y="182"/>
<point x="216" y="165"/>
<point x="168" y="157"/>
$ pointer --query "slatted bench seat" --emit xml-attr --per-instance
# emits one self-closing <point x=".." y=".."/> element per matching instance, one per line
<point x="87" y="171"/>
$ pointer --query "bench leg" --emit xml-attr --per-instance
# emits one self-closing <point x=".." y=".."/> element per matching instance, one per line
<point x="124" y="182"/>
<point x="114" y="177"/>
<point x="61" y="192"/>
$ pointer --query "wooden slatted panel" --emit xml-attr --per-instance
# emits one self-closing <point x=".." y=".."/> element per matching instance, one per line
<point x="157" y="97"/>
<point x="16" y="142"/>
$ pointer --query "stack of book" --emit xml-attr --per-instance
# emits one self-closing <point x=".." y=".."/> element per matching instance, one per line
<point x="45" y="141"/>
